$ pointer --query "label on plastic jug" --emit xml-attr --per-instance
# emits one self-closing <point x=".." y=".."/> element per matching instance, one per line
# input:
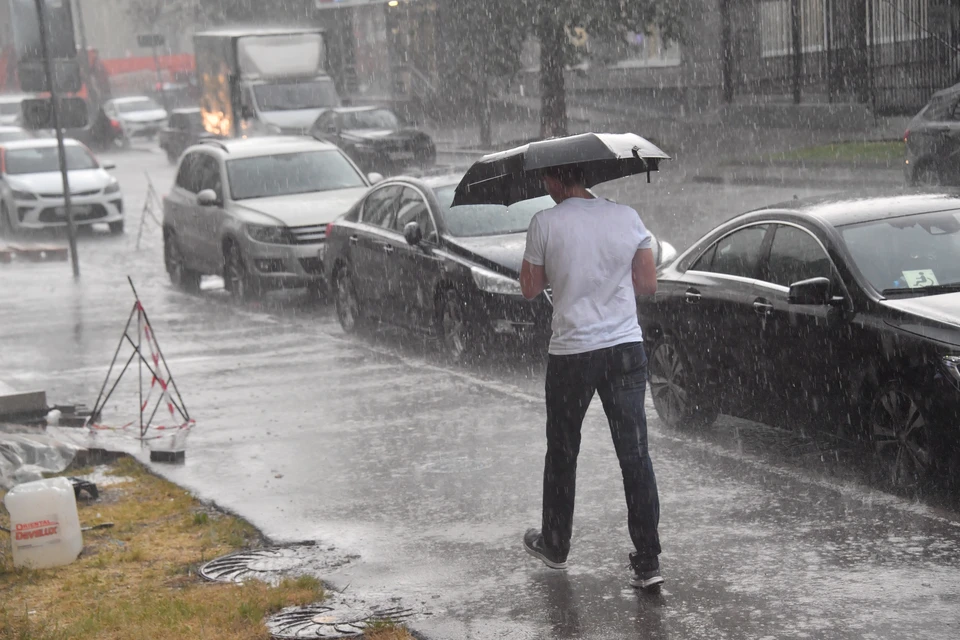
<point x="44" y="531"/>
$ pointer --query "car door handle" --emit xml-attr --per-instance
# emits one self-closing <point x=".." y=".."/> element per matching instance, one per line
<point x="692" y="296"/>
<point x="353" y="239"/>
<point x="762" y="307"/>
<point x="387" y="248"/>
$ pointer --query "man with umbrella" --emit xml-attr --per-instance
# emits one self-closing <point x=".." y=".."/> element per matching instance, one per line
<point x="596" y="256"/>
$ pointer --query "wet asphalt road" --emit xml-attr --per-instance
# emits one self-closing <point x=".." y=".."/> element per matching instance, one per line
<point x="431" y="473"/>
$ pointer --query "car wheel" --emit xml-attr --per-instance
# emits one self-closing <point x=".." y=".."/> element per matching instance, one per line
<point x="180" y="276"/>
<point x="6" y="224"/>
<point x="346" y="303"/>
<point x="451" y="328"/>
<point x="116" y="228"/>
<point x="901" y="438"/>
<point x="678" y="396"/>
<point x="236" y="278"/>
<point x="929" y="175"/>
<point x="172" y="157"/>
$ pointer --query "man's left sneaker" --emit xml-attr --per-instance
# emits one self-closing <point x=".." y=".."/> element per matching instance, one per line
<point x="533" y="543"/>
<point x="647" y="580"/>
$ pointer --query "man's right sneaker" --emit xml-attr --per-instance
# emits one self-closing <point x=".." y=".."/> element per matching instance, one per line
<point x="647" y="580"/>
<point x="533" y="543"/>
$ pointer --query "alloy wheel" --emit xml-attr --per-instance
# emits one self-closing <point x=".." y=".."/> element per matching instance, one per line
<point x="901" y="438"/>
<point x="929" y="176"/>
<point x="6" y="225"/>
<point x="235" y="274"/>
<point x="668" y="384"/>
<point x="180" y="276"/>
<point x="348" y="310"/>
<point x="453" y="330"/>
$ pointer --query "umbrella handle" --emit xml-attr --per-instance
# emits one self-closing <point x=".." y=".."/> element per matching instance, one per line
<point x="636" y="154"/>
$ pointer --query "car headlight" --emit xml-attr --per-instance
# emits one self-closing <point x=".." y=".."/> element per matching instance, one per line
<point x="491" y="282"/>
<point x="362" y="146"/>
<point x="23" y="195"/>
<point x="113" y="187"/>
<point x="270" y="234"/>
<point x="952" y="365"/>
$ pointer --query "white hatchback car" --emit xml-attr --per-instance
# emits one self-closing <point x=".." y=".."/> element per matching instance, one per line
<point x="255" y="211"/>
<point x="31" y="187"/>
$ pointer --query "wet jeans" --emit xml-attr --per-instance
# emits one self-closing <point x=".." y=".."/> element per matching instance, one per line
<point x="619" y="375"/>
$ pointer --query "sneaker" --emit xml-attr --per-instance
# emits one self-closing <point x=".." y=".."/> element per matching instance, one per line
<point x="533" y="543"/>
<point x="647" y="580"/>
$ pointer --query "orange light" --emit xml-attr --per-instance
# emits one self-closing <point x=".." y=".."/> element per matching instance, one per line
<point x="393" y="3"/>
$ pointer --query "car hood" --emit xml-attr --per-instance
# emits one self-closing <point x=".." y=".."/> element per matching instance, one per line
<point x="152" y="115"/>
<point x="305" y="208"/>
<point x="52" y="181"/>
<point x="299" y="119"/>
<point x="373" y="135"/>
<point x="503" y="253"/>
<point x="935" y="317"/>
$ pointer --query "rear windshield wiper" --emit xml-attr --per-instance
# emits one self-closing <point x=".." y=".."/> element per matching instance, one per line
<point x="933" y="289"/>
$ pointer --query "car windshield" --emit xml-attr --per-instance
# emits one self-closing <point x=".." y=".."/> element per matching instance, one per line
<point x="296" y="95"/>
<point x="140" y="104"/>
<point x="376" y="119"/>
<point x="488" y="219"/>
<point x="45" y="159"/>
<point x="13" y="135"/>
<point x="289" y="173"/>
<point x="907" y="254"/>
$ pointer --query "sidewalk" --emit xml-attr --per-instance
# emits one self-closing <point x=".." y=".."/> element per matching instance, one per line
<point x="784" y="175"/>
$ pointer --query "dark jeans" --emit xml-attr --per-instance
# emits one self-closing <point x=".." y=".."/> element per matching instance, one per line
<point x="619" y="374"/>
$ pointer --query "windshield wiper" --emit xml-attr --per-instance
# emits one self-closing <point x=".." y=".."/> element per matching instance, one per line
<point x="933" y="289"/>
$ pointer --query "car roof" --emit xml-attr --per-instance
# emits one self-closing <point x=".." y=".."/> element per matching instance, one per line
<point x="359" y="109"/>
<point x="39" y="143"/>
<point x="130" y="99"/>
<point x="851" y="208"/>
<point x="15" y="97"/>
<point x="253" y="147"/>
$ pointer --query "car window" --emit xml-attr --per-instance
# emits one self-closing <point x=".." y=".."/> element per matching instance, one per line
<point x="323" y="122"/>
<point x="209" y="170"/>
<point x="373" y="119"/>
<point x="413" y="208"/>
<point x="736" y="254"/>
<point x="941" y="108"/>
<point x="796" y="255"/>
<point x="188" y="177"/>
<point x="380" y="207"/>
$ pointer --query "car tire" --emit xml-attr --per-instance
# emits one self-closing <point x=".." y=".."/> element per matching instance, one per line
<point x="451" y="330"/>
<point x="346" y="303"/>
<point x="6" y="224"/>
<point x="116" y="228"/>
<point x="903" y="441"/>
<point x="236" y="278"/>
<point x="928" y="175"/>
<point x="678" y="396"/>
<point x="180" y="276"/>
<point x="172" y="157"/>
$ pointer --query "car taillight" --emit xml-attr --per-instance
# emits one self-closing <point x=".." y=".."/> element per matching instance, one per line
<point x="906" y="135"/>
<point x="115" y="124"/>
<point x="329" y="229"/>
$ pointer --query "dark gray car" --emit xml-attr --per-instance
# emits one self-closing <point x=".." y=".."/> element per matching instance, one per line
<point x="933" y="142"/>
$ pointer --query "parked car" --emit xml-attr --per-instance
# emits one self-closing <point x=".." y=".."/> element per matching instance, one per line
<point x="255" y="212"/>
<point x="31" y="187"/>
<point x="404" y="256"/>
<point x="184" y="129"/>
<point x="123" y="119"/>
<point x="10" y="108"/>
<point x="933" y="141"/>
<point x="374" y="138"/>
<point x="836" y="313"/>
<point x="11" y="134"/>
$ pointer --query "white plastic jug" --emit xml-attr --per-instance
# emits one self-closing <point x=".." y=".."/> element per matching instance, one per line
<point x="44" y="525"/>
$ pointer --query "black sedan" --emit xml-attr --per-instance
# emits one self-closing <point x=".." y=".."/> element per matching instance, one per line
<point x="933" y="141"/>
<point x="184" y="129"/>
<point x="404" y="256"/>
<point x="375" y="139"/>
<point x="837" y="314"/>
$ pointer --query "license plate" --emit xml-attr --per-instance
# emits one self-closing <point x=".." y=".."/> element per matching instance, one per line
<point x="77" y="211"/>
<point x="402" y="155"/>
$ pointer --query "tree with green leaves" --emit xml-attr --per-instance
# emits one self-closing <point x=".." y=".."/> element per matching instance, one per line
<point x="554" y="20"/>
<point x="480" y="45"/>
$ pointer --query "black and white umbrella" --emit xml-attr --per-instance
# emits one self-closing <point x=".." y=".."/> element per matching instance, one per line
<point x="514" y="175"/>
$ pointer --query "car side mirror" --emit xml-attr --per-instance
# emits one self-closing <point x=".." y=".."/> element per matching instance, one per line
<point x="815" y="291"/>
<point x="412" y="233"/>
<point x="207" y="198"/>
<point x="375" y="177"/>
<point x="109" y="166"/>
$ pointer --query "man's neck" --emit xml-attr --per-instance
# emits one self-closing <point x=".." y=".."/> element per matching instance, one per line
<point x="578" y="192"/>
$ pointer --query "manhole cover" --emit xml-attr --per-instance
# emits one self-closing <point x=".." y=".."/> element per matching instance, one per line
<point x="335" y="617"/>
<point x="270" y="565"/>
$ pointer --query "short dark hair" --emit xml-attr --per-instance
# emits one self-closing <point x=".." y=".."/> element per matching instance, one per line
<point x="569" y="175"/>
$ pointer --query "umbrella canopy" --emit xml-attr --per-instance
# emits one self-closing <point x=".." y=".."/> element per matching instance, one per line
<point x="514" y="175"/>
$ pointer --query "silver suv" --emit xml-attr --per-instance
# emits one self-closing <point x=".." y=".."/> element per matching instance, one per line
<point x="255" y="211"/>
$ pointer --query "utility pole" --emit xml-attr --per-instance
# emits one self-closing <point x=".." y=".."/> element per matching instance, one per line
<point x="55" y="112"/>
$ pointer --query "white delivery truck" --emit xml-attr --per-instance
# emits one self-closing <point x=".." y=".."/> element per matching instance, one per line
<point x="266" y="80"/>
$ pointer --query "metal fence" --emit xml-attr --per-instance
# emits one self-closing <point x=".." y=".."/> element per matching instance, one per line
<point x="890" y="54"/>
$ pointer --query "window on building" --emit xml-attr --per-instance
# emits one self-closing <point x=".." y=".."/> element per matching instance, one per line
<point x="776" y="27"/>
<point x="896" y="20"/>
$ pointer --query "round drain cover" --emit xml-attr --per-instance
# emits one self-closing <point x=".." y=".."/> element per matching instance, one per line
<point x="272" y="564"/>
<point x="335" y="617"/>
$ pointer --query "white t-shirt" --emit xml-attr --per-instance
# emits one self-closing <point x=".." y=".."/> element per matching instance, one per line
<point x="586" y="248"/>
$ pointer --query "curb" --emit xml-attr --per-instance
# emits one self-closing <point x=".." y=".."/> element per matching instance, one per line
<point x="769" y="181"/>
